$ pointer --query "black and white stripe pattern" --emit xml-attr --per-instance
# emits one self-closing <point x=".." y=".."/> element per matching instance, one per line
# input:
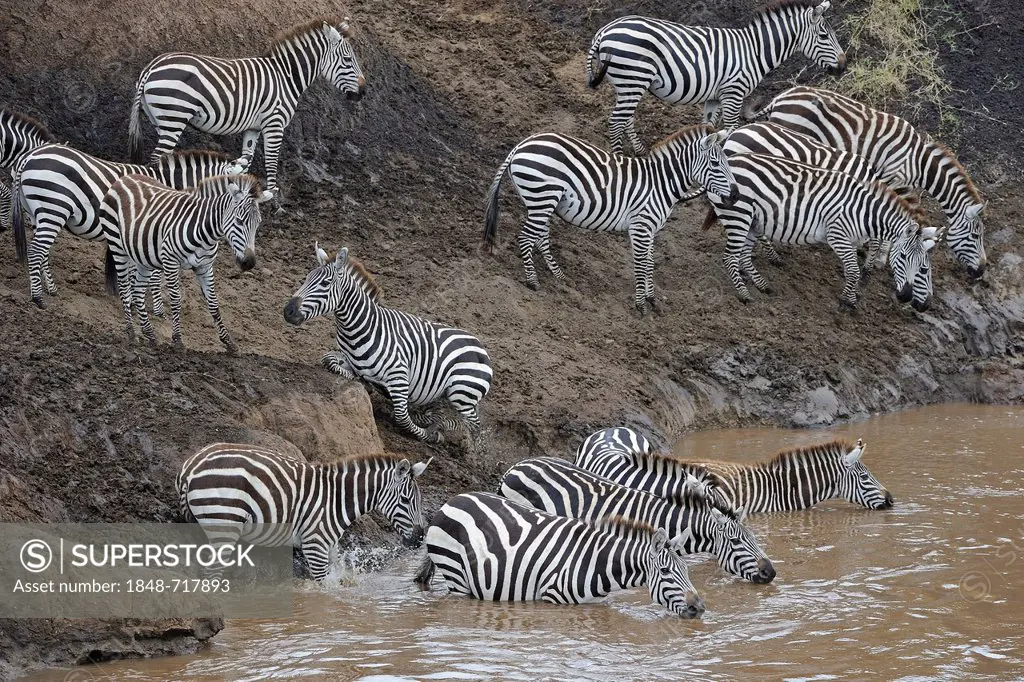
<point x="794" y="203"/>
<point x="152" y="228"/>
<point x="901" y="156"/>
<point x="5" y="206"/>
<point x="58" y="187"/>
<point x="801" y="478"/>
<point x="415" y="361"/>
<point x="590" y="188"/>
<point x="228" y="485"/>
<point x="19" y="134"/>
<point x="490" y="548"/>
<point x="559" y="487"/>
<point x="718" y="67"/>
<point x="252" y="96"/>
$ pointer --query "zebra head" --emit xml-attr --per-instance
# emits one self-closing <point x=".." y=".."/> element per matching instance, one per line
<point x="858" y="485"/>
<point x="339" y="65"/>
<point x="667" y="577"/>
<point x="400" y="501"/>
<point x="911" y="267"/>
<point x="711" y="169"/>
<point x="819" y="43"/>
<point x="244" y="219"/>
<point x="737" y="549"/>
<point x="328" y="285"/>
<point x="964" y="236"/>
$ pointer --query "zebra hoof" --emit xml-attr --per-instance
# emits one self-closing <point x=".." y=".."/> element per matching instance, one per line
<point x="847" y="307"/>
<point x="232" y="350"/>
<point x="38" y="300"/>
<point x="535" y="286"/>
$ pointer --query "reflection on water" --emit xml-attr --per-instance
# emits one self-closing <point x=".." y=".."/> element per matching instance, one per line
<point x="932" y="589"/>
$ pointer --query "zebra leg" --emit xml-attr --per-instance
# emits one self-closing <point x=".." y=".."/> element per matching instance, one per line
<point x="125" y="284"/>
<point x="139" y="295"/>
<point x="398" y="390"/>
<point x="249" y="138"/>
<point x="527" y="238"/>
<point x="38" y="261"/>
<point x="337" y="363"/>
<point x="747" y="264"/>
<point x="317" y="552"/>
<point x="712" y="112"/>
<point x="736" y="240"/>
<point x="623" y="118"/>
<point x="544" y="246"/>
<point x="731" y="105"/>
<point x="169" y="127"/>
<point x="273" y="135"/>
<point x="204" y="275"/>
<point x="641" y="240"/>
<point x="847" y="253"/>
<point x="173" y="277"/>
<point x="769" y="250"/>
<point x="156" y="294"/>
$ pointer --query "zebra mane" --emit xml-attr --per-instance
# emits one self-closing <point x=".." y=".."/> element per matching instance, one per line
<point x="947" y="153"/>
<point x="365" y="279"/>
<point x="833" y="448"/>
<point x="886" y="193"/>
<point x="220" y="184"/>
<point x="652" y="460"/>
<point x="684" y="134"/>
<point x="625" y="528"/>
<point x="24" y="119"/>
<point x="693" y="498"/>
<point x="780" y="6"/>
<point x="289" y="36"/>
<point x="184" y="156"/>
<point x="354" y="460"/>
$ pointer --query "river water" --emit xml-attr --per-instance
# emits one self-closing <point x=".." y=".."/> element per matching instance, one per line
<point x="931" y="589"/>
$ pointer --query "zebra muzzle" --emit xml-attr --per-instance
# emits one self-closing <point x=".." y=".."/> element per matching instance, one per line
<point x="694" y="605"/>
<point x="247" y="261"/>
<point x="415" y="538"/>
<point x="765" y="572"/>
<point x="905" y="294"/>
<point x="293" y="312"/>
<point x="357" y="94"/>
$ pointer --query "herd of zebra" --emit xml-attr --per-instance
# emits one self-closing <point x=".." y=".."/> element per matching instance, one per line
<point x="621" y="516"/>
<point x="819" y="168"/>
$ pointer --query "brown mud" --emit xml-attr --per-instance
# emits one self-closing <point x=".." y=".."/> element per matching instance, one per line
<point x="92" y="429"/>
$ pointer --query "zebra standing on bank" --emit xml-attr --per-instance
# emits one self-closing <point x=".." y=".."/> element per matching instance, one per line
<point x="559" y="487"/>
<point x="19" y="134"/>
<point x="152" y="228"/>
<point x="590" y="188"/>
<point x="490" y="548"/>
<point x="252" y="95"/>
<point x="59" y="187"/>
<point x="794" y="203"/>
<point x="902" y="157"/>
<point x="801" y="478"/>
<point x="417" y="362"/>
<point x="698" y="64"/>
<point x="229" y="486"/>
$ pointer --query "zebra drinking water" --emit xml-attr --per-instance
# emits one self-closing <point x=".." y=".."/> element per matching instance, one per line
<point x="233" y="485"/>
<point x="59" y="187"/>
<point x="801" y="478"/>
<point x="794" y="203"/>
<point x="493" y="549"/>
<point x="699" y="64"/>
<point x="415" y="361"/>
<point x="558" y="487"/>
<point x="590" y="188"/>
<point x="901" y="156"/>
<point x="251" y="95"/>
<point x="152" y="228"/>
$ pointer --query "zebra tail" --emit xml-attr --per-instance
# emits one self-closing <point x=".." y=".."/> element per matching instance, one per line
<point x="134" y="125"/>
<point x="593" y="56"/>
<point x="709" y="219"/>
<point x="493" y="208"/>
<point x="425" y="574"/>
<point x="110" y="270"/>
<point x="18" y="221"/>
<point x="751" y="113"/>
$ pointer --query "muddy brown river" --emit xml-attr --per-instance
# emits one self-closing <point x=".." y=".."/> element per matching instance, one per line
<point x="931" y="589"/>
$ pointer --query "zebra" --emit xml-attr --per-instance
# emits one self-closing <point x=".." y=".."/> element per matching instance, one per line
<point x="415" y="361"/>
<point x="559" y="487"/>
<point x="60" y="187"/>
<point x="5" y="206"/>
<point x="902" y="157"/>
<point x="19" y="134"/>
<point x="152" y="228"/>
<point x="590" y="188"/>
<point x="623" y="456"/>
<point x="230" y="487"/>
<point x="794" y="203"/>
<point x="719" y="67"/>
<point x="801" y="478"/>
<point x="252" y="95"/>
<point x="493" y="549"/>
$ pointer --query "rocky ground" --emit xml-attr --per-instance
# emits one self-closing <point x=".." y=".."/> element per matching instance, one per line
<point x="92" y="429"/>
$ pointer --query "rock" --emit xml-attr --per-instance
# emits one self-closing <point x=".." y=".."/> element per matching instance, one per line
<point x="822" y="407"/>
<point x="21" y="504"/>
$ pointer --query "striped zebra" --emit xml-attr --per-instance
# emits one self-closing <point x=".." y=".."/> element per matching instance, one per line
<point x="415" y="361"/>
<point x="490" y="548"/>
<point x="230" y="487"/>
<point x="625" y="457"/>
<point x="590" y="188"/>
<point x="152" y="228"/>
<point x="718" y="67"/>
<point x="252" y="95"/>
<point x="5" y="206"/>
<point x="793" y="203"/>
<point x="19" y="134"/>
<point x="801" y="478"/>
<point x="58" y="187"/>
<point x="902" y="157"/>
<point x="559" y="487"/>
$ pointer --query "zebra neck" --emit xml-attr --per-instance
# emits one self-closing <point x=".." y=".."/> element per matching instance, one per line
<point x="626" y="563"/>
<point x="354" y="488"/>
<point x="212" y="223"/>
<point x="694" y="524"/>
<point x="787" y="484"/>
<point x="943" y="178"/>
<point x="669" y="166"/>
<point x="355" y="306"/>
<point x="299" y="65"/>
<point x="774" y="38"/>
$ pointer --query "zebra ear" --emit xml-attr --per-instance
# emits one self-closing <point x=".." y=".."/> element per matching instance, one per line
<point x="928" y="232"/>
<point x="402" y="468"/>
<point x="342" y="257"/>
<point x="975" y="210"/>
<point x="419" y="467"/>
<point x="820" y="9"/>
<point x="332" y="33"/>
<point x="345" y="28"/>
<point x="741" y="515"/>
<point x="928" y="244"/>
<point x="720" y="518"/>
<point x="321" y="255"/>
<point x="659" y="540"/>
<point x="853" y="456"/>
